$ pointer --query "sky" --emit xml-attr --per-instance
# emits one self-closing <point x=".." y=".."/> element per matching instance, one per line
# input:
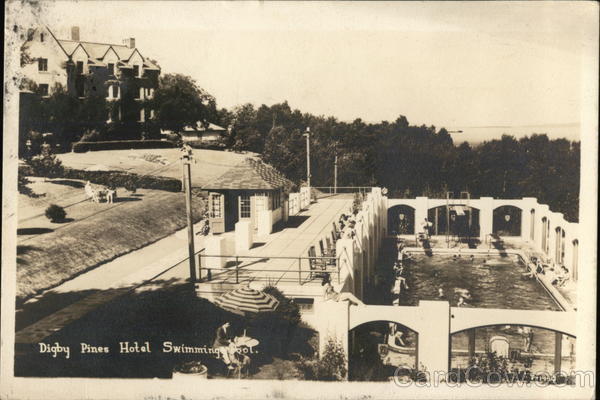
<point x="455" y="64"/>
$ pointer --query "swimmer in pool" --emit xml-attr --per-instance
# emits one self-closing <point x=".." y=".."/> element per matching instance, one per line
<point x="472" y="257"/>
<point x="464" y="293"/>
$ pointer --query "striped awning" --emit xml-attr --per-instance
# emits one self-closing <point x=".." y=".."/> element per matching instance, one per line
<point x="246" y="299"/>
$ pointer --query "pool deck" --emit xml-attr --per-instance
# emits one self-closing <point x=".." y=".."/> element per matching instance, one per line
<point x="262" y="265"/>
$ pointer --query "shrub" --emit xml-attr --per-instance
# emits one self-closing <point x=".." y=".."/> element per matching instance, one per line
<point x="55" y="213"/>
<point x="46" y="165"/>
<point x="190" y="367"/>
<point x="330" y="367"/>
<point x="82" y="147"/>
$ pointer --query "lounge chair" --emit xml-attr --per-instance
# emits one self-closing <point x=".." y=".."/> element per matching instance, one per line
<point x="330" y="247"/>
<point x="316" y="263"/>
<point x="326" y="252"/>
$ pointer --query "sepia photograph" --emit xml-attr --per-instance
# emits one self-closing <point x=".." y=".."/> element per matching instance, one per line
<point x="271" y="199"/>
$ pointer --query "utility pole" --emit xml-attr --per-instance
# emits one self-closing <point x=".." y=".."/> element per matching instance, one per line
<point x="187" y="159"/>
<point x="307" y="134"/>
<point x="335" y="172"/>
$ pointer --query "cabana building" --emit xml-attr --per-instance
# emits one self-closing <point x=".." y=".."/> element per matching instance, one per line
<point x="252" y="191"/>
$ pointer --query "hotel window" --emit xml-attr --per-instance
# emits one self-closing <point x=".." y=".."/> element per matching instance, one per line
<point x="80" y="67"/>
<point x="41" y="37"/>
<point x="111" y="68"/>
<point x="136" y="93"/>
<point x="136" y="70"/>
<point x="43" y="89"/>
<point x="42" y="64"/>
<point x="245" y="206"/>
<point x="115" y="91"/>
<point x="215" y="202"/>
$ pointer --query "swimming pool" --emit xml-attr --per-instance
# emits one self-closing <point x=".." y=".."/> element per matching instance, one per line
<point x="492" y="281"/>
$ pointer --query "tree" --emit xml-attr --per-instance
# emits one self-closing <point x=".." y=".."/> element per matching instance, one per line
<point x="180" y="102"/>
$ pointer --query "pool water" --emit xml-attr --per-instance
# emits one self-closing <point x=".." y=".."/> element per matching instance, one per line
<point x="492" y="281"/>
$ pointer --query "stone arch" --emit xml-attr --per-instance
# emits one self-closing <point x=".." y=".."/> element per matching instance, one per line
<point x="545" y="235"/>
<point x="401" y="219"/>
<point x="507" y="220"/>
<point x="375" y="343"/>
<point x="515" y="340"/>
<point x="575" y="261"/>
<point x="559" y="245"/>
<point x="464" y="221"/>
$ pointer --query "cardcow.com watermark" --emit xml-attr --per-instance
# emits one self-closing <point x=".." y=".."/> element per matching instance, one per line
<point x="474" y="377"/>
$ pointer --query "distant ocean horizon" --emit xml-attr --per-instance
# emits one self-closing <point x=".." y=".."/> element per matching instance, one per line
<point x="479" y="134"/>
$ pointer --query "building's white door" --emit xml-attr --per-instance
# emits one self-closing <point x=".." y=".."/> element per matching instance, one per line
<point x="260" y="204"/>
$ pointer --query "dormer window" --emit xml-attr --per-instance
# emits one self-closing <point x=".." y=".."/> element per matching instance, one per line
<point x="41" y="37"/>
<point x="111" y="68"/>
<point x="80" y="67"/>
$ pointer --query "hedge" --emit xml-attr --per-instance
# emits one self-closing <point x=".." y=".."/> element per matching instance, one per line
<point x="82" y="147"/>
<point x="125" y="179"/>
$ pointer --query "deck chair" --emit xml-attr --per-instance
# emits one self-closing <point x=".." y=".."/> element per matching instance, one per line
<point x="336" y="232"/>
<point x="316" y="263"/>
<point x="325" y="253"/>
<point x="330" y="247"/>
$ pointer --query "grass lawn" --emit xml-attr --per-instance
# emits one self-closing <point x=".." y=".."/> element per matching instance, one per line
<point x="208" y="164"/>
<point x="51" y="253"/>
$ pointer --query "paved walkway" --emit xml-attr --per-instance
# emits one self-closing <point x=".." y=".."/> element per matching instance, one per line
<point x="292" y="243"/>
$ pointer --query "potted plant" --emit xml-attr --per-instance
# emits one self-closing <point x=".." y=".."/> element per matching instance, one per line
<point x="190" y="370"/>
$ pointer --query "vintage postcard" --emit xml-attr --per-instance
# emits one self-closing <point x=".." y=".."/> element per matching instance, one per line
<point x="299" y="199"/>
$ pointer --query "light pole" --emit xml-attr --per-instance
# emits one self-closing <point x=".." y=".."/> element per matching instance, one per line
<point x="335" y="165"/>
<point x="187" y="159"/>
<point x="307" y="135"/>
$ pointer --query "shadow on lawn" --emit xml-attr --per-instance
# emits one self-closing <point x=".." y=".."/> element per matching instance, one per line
<point x="173" y="313"/>
<point x="33" y="231"/>
<point x="68" y="182"/>
<point x="124" y="199"/>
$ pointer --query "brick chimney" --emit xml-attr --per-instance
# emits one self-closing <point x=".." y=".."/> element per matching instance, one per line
<point x="129" y="42"/>
<point x="75" y="33"/>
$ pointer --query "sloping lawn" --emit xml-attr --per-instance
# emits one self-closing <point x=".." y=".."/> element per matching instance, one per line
<point x="207" y="165"/>
<point x="109" y="231"/>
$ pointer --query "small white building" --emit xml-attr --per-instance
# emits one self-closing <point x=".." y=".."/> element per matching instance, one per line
<point x="201" y="134"/>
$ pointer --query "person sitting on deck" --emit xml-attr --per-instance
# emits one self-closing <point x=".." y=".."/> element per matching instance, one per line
<point x="561" y="276"/>
<point x="331" y="294"/>
<point x="530" y="272"/>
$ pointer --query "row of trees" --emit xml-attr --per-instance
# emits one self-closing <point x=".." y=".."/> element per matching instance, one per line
<point x="409" y="160"/>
